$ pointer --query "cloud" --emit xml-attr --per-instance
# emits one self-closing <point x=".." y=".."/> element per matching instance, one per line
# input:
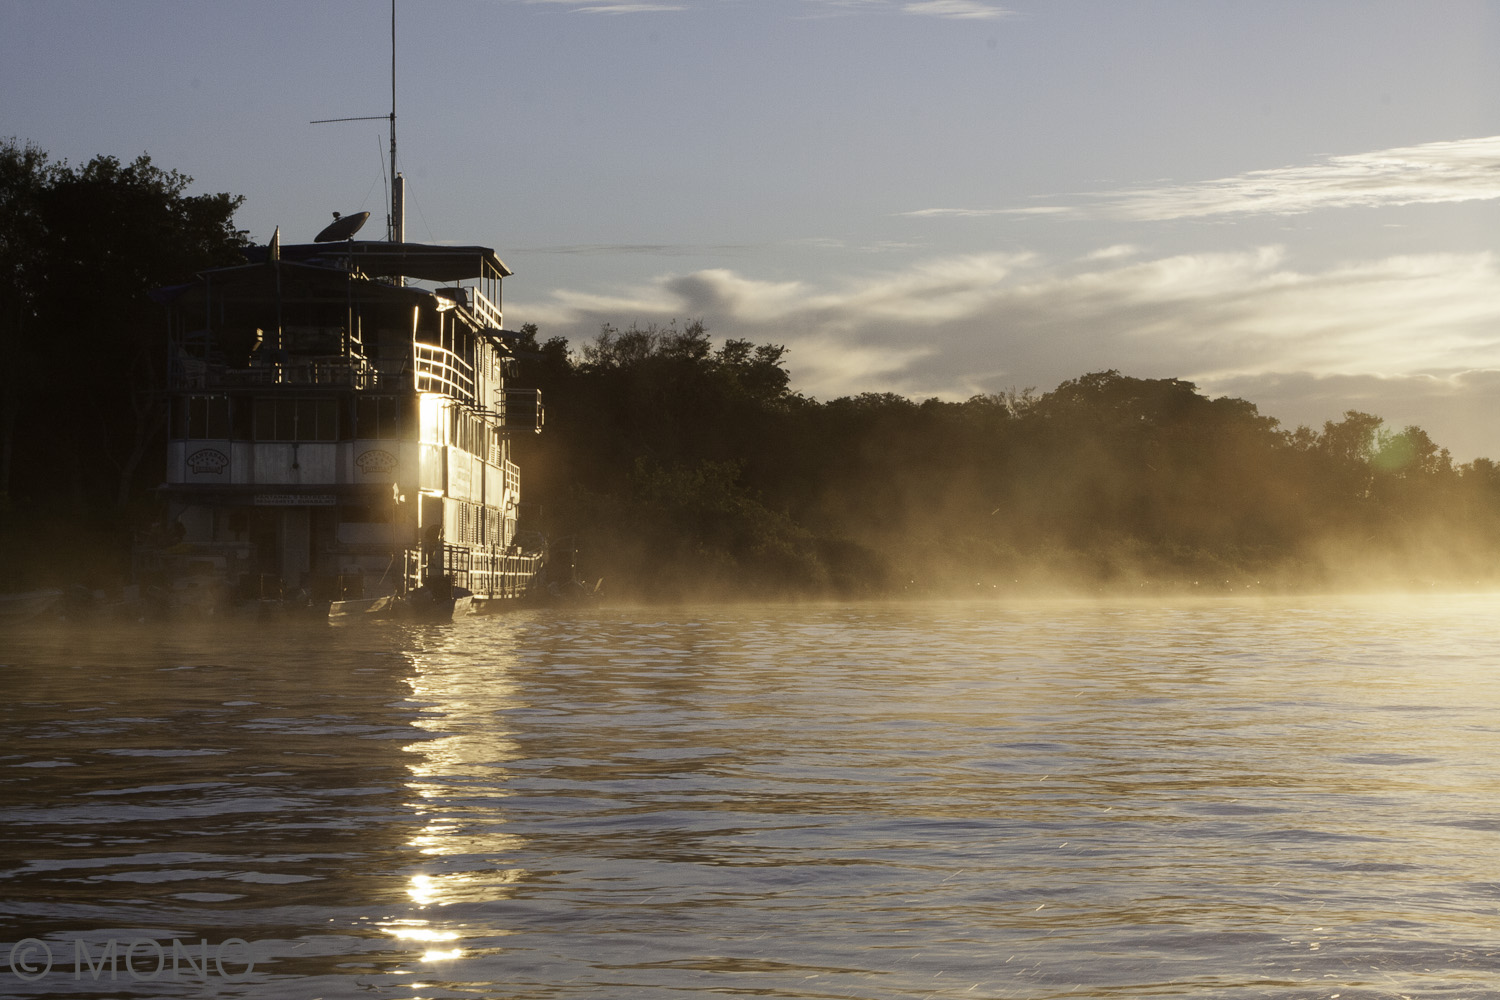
<point x="632" y="249"/>
<point x="955" y="9"/>
<point x="1463" y="170"/>
<point x="1432" y="173"/>
<point x="1117" y="252"/>
<point x="980" y="213"/>
<point x="878" y="246"/>
<point x="958" y="9"/>
<point x="953" y="326"/>
<point x="606" y="7"/>
<point x="964" y="9"/>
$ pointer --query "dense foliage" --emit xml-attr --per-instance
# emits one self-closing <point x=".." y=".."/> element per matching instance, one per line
<point x="685" y="470"/>
<point x="82" y="412"/>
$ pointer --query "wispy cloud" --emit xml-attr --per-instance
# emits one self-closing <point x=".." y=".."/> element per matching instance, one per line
<point x="877" y="246"/>
<point x="956" y="9"/>
<point x="957" y="325"/>
<point x="1432" y="173"/>
<point x="627" y="8"/>
<point x="633" y="249"/>
<point x="605" y="7"/>
<point x="981" y="213"/>
<point x="964" y="9"/>
<point x="1117" y="252"/>
<point x="1463" y="170"/>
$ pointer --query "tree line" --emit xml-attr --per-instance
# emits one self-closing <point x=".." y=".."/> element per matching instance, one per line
<point x="677" y="466"/>
<point x="685" y="469"/>
<point x="82" y="402"/>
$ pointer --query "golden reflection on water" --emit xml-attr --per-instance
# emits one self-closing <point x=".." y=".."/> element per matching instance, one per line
<point x="413" y="930"/>
<point x="458" y="779"/>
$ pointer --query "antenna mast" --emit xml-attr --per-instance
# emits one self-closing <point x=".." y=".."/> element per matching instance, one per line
<point x="398" y="183"/>
<point x="396" y="220"/>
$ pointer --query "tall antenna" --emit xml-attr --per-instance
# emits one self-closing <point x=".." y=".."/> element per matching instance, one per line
<point x="398" y="183"/>
<point x="395" y="221"/>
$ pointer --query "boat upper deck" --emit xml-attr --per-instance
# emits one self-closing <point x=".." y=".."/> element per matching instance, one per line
<point x="332" y="316"/>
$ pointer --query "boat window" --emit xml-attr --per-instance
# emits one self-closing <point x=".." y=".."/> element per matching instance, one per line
<point x="433" y="423"/>
<point x="367" y="417"/>
<point x="466" y="434"/>
<point x="241" y="424"/>
<point x="326" y="428"/>
<point x="201" y="417"/>
<point x="296" y="420"/>
<point x="265" y="419"/>
<point x="382" y="416"/>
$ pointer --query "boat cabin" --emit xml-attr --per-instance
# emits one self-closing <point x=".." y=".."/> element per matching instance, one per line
<point x="338" y="429"/>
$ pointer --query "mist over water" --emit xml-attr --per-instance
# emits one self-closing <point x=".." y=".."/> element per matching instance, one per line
<point x="1290" y="798"/>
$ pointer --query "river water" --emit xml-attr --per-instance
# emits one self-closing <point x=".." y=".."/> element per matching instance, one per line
<point x="1295" y="798"/>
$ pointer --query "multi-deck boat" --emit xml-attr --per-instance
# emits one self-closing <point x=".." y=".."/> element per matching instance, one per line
<point x="340" y="431"/>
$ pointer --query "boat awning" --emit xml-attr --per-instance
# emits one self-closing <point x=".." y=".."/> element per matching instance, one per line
<point x="423" y="261"/>
<point x="289" y="280"/>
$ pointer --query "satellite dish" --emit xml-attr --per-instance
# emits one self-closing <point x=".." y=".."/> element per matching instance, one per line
<point x="343" y="227"/>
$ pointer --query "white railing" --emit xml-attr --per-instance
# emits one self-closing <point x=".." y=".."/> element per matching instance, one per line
<point x="440" y="370"/>
<point x="486" y="311"/>
<point x="486" y="573"/>
<point x="472" y="299"/>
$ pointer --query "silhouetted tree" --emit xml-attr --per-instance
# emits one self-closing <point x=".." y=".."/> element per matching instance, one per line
<point x="81" y="249"/>
<point x="93" y="243"/>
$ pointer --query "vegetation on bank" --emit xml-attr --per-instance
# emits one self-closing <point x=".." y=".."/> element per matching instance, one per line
<point x="687" y="470"/>
<point x="682" y="468"/>
<point x="82" y="408"/>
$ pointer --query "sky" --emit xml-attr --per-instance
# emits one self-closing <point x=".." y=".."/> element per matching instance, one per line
<point x="1295" y="203"/>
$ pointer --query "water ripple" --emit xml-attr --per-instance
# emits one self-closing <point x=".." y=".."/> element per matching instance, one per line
<point x="1223" y="799"/>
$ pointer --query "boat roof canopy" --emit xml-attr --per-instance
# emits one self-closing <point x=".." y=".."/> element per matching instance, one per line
<point x="292" y="279"/>
<point x="422" y="261"/>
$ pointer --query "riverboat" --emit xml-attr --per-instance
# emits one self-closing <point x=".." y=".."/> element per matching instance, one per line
<point x="341" y="422"/>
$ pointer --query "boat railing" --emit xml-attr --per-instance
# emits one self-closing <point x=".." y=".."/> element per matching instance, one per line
<point x="458" y="562"/>
<point x="411" y="569"/>
<point x="472" y="299"/>
<point x="491" y="574"/>
<point x="440" y="370"/>
<point x="334" y="372"/>
<point x="521" y="409"/>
